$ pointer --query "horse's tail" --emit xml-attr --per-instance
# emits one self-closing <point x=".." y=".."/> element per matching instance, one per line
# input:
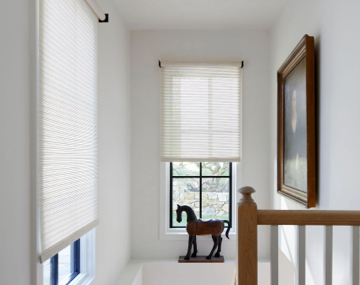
<point x="228" y="229"/>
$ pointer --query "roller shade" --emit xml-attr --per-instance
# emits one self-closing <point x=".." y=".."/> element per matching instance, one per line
<point x="67" y="152"/>
<point x="200" y="112"/>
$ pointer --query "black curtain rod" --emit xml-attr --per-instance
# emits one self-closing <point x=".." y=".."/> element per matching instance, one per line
<point x="242" y="64"/>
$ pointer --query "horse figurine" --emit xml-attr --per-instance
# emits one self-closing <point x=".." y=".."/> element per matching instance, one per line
<point x="194" y="227"/>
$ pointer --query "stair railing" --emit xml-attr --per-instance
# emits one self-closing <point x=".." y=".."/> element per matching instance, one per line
<point x="249" y="217"/>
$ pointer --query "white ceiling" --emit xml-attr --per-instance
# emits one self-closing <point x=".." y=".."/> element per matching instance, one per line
<point x="199" y="14"/>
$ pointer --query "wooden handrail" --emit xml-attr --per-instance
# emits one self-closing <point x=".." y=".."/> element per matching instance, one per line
<point x="249" y="217"/>
<point x="311" y="218"/>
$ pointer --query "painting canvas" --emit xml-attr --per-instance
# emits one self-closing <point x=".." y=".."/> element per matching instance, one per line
<point x="295" y="156"/>
<point x="296" y="125"/>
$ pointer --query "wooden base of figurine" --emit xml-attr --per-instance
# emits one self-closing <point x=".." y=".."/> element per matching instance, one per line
<point x="199" y="259"/>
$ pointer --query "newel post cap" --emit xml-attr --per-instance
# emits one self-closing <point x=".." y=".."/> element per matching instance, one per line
<point x="246" y="192"/>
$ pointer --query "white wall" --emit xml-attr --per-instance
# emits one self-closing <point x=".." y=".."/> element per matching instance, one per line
<point x="18" y="257"/>
<point x="17" y="223"/>
<point x="113" y="232"/>
<point x="147" y="47"/>
<point x="335" y="25"/>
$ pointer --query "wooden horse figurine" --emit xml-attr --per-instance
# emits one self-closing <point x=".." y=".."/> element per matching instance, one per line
<point x="213" y="227"/>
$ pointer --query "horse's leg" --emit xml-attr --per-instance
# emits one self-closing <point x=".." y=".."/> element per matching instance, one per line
<point x="191" y="238"/>
<point x="214" y="247"/>
<point x="195" y="248"/>
<point x="219" y="248"/>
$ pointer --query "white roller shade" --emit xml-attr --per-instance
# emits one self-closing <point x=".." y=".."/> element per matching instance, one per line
<point x="200" y="112"/>
<point x="67" y="123"/>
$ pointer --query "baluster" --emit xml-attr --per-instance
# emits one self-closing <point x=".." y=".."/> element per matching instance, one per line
<point x="274" y="255"/>
<point x="356" y="248"/>
<point x="328" y="254"/>
<point x="302" y="255"/>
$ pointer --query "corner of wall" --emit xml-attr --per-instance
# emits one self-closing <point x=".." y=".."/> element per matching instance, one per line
<point x="113" y="244"/>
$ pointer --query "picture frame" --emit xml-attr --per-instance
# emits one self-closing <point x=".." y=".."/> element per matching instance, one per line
<point x="296" y="125"/>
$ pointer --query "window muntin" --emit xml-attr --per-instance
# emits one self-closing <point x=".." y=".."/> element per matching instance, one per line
<point x="205" y="187"/>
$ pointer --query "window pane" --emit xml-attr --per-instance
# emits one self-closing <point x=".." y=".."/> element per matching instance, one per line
<point x="65" y="263"/>
<point x="46" y="272"/>
<point x="215" y="198"/>
<point x="215" y="168"/>
<point x="186" y="168"/>
<point x="185" y="192"/>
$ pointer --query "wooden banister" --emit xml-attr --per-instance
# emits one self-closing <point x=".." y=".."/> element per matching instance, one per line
<point x="249" y="217"/>
<point x="308" y="218"/>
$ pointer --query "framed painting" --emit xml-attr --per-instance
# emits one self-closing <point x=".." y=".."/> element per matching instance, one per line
<point x="296" y="125"/>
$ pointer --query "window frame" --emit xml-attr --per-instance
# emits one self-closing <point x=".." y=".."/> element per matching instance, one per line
<point x="87" y="262"/>
<point x="74" y="265"/>
<point x="200" y="176"/>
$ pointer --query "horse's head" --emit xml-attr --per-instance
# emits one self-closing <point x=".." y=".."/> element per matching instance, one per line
<point x="178" y="214"/>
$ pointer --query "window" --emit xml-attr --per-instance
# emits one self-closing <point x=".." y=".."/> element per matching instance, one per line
<point x="64" y="266"/>
<point x="200" y="140"/>
<point x="204" y="186"/>
<point x="75" y="263"/>
<point x="67" y="140"/>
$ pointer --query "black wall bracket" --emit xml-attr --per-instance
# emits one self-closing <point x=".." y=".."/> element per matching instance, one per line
<point x="106" y="20"/>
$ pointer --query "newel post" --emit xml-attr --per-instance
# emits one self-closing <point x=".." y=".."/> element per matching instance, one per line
<point x="247" y="238"/>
